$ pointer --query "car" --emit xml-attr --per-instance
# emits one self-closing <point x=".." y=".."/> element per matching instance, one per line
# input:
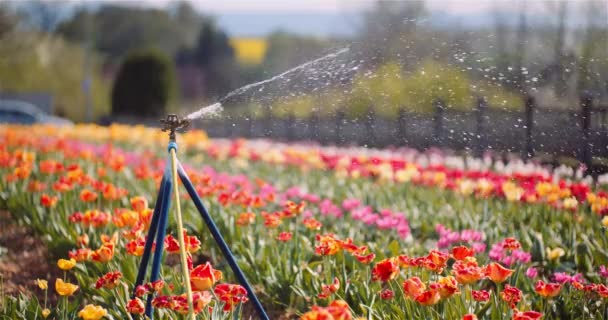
<point x="20" y="112"/>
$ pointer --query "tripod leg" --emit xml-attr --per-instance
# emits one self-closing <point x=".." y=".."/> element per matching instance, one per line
<point x="141" y="273"/>
<point x="160" y="239"/>
<point x="221" y="243"/>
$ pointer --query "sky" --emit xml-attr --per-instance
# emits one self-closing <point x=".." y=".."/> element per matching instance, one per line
<point x="338" y="6"/>
<point x="243" y="18"/>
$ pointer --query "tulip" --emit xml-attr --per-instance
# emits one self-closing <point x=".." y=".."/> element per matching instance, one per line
<point x="413" y="287"/>
<point x="527" y="315"/>
<point x="65" y="288"/>
<point x="511" y="295"/>
<point x="556" y="253"/>
<point x="203" y="277"/>
<point x="48" y="201"/>
<point x="429" y="297"/>
<point x="466" y="272"/>
<point x="385" y="270"/>
<point x="139" y="203"/>
<point x="284" y="236"/>
<point x="87" y="195"/>
<point x="497" y="273"/>
<point x="136" y="306"/>
<point x="547" y="290"/>
<point x="65" y="265"/>
<point x="92" y="312"/>
<point x="481" y="295"/>
<point x="461" y="253"/>
<point x="42" y="284"/>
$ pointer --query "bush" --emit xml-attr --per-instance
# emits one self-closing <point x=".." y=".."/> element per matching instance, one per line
<point x="144" y="85"/>
<point x="24" y="69"/>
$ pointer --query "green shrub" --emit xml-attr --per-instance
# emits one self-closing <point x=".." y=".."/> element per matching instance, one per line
<point x="144" y="85"/>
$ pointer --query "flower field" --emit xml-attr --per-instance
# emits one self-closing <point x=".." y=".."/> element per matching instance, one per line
<point x="321" y="233"/>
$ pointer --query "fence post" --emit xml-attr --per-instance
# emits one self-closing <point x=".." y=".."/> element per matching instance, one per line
<point x="402" y="126"/>
<point x="530" y="105"/>
<point x="438" y="118"/>
<point x="480" y="135"/>
<point x="313" y="126"/>
<point x="249" y="125"/>
<point x="586" y="106"/>
<point x="370" y="121"/>
<point x="340" y="116"/>
<point x="291" y="127"/>
<point x="268" y="127"/>
<point x="229" y="127"/>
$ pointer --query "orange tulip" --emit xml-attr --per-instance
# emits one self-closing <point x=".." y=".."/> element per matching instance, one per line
<point x="328" y="245"/>
<point x="203" y="277"/>
<point x="413" y="287"/>
<point x="48" y="201"/>
<point x="447" y="287"/>
<point x="139" y="203"/>
<point x="466" y="272"/>
<point x="547" y="290"/>
<point x="136" y="306"/>
<point x="497" y="273"/>
<point x="104" y="254"/>
<point x="385" y="270"/>
<point x="87" y="195"/>
<point x="462" y="252"/>
<point x="284" y="236"/>
<point x="429" y="297"/>
<point x="527" y="315"/>
<point x="245" y="219"/>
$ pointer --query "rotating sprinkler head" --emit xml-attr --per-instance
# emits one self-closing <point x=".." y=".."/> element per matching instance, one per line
<point x="173" y="123"/>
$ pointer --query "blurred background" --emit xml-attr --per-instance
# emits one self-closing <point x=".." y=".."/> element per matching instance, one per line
<point x="527" y="77"/>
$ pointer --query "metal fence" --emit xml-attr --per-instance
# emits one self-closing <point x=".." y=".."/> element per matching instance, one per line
<point x="582" y="133"/>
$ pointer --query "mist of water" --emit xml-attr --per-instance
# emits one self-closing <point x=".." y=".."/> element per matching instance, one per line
<point x="216" y="108"/>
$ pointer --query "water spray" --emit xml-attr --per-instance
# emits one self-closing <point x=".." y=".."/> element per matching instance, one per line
<point x="216" y="108"/>
<point x="158" y="225"/>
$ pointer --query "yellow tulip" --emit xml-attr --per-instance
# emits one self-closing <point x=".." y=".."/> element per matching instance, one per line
<point x="65" y="288"/>
<point x="92" y="312"/>
<point x="64" y="264"/>
<point x="556" y="253"/>
<point x="42" y="284"/>
<point x="46" y="312"/>
<point x="570" y="203"/>
<point x="605" y="221"/>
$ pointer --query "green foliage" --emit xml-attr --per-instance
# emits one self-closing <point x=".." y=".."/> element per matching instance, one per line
<point x="116" y="30"/>
<point x="389" y="88"/>
<point x="434" y="80"/>
<point x="34" y="62"/>
<point x="287" y="50"/>
<point x="144" y="85"/>
<point x="383" y="89"/>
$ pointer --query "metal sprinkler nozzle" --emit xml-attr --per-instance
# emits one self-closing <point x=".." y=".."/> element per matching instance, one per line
<point x="173" y="123"/>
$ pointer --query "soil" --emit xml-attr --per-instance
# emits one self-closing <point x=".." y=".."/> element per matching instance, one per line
<point x="23" y="259"/>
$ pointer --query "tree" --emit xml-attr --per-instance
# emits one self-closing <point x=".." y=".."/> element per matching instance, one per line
<point x="118" y="30"/>
<point x="7" y="20"/>
<point x="389" y="31"/>
<point x="43" y="15"/>
<point x="144" y="85"/>
<point x="215" y="58"/>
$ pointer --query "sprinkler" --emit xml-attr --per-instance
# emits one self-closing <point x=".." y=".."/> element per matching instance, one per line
<point x="170" y="184"/>
<point x="173" y="123"/>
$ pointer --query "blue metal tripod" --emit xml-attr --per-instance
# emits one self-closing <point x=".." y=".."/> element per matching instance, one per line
<point x="159" y="220"/>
